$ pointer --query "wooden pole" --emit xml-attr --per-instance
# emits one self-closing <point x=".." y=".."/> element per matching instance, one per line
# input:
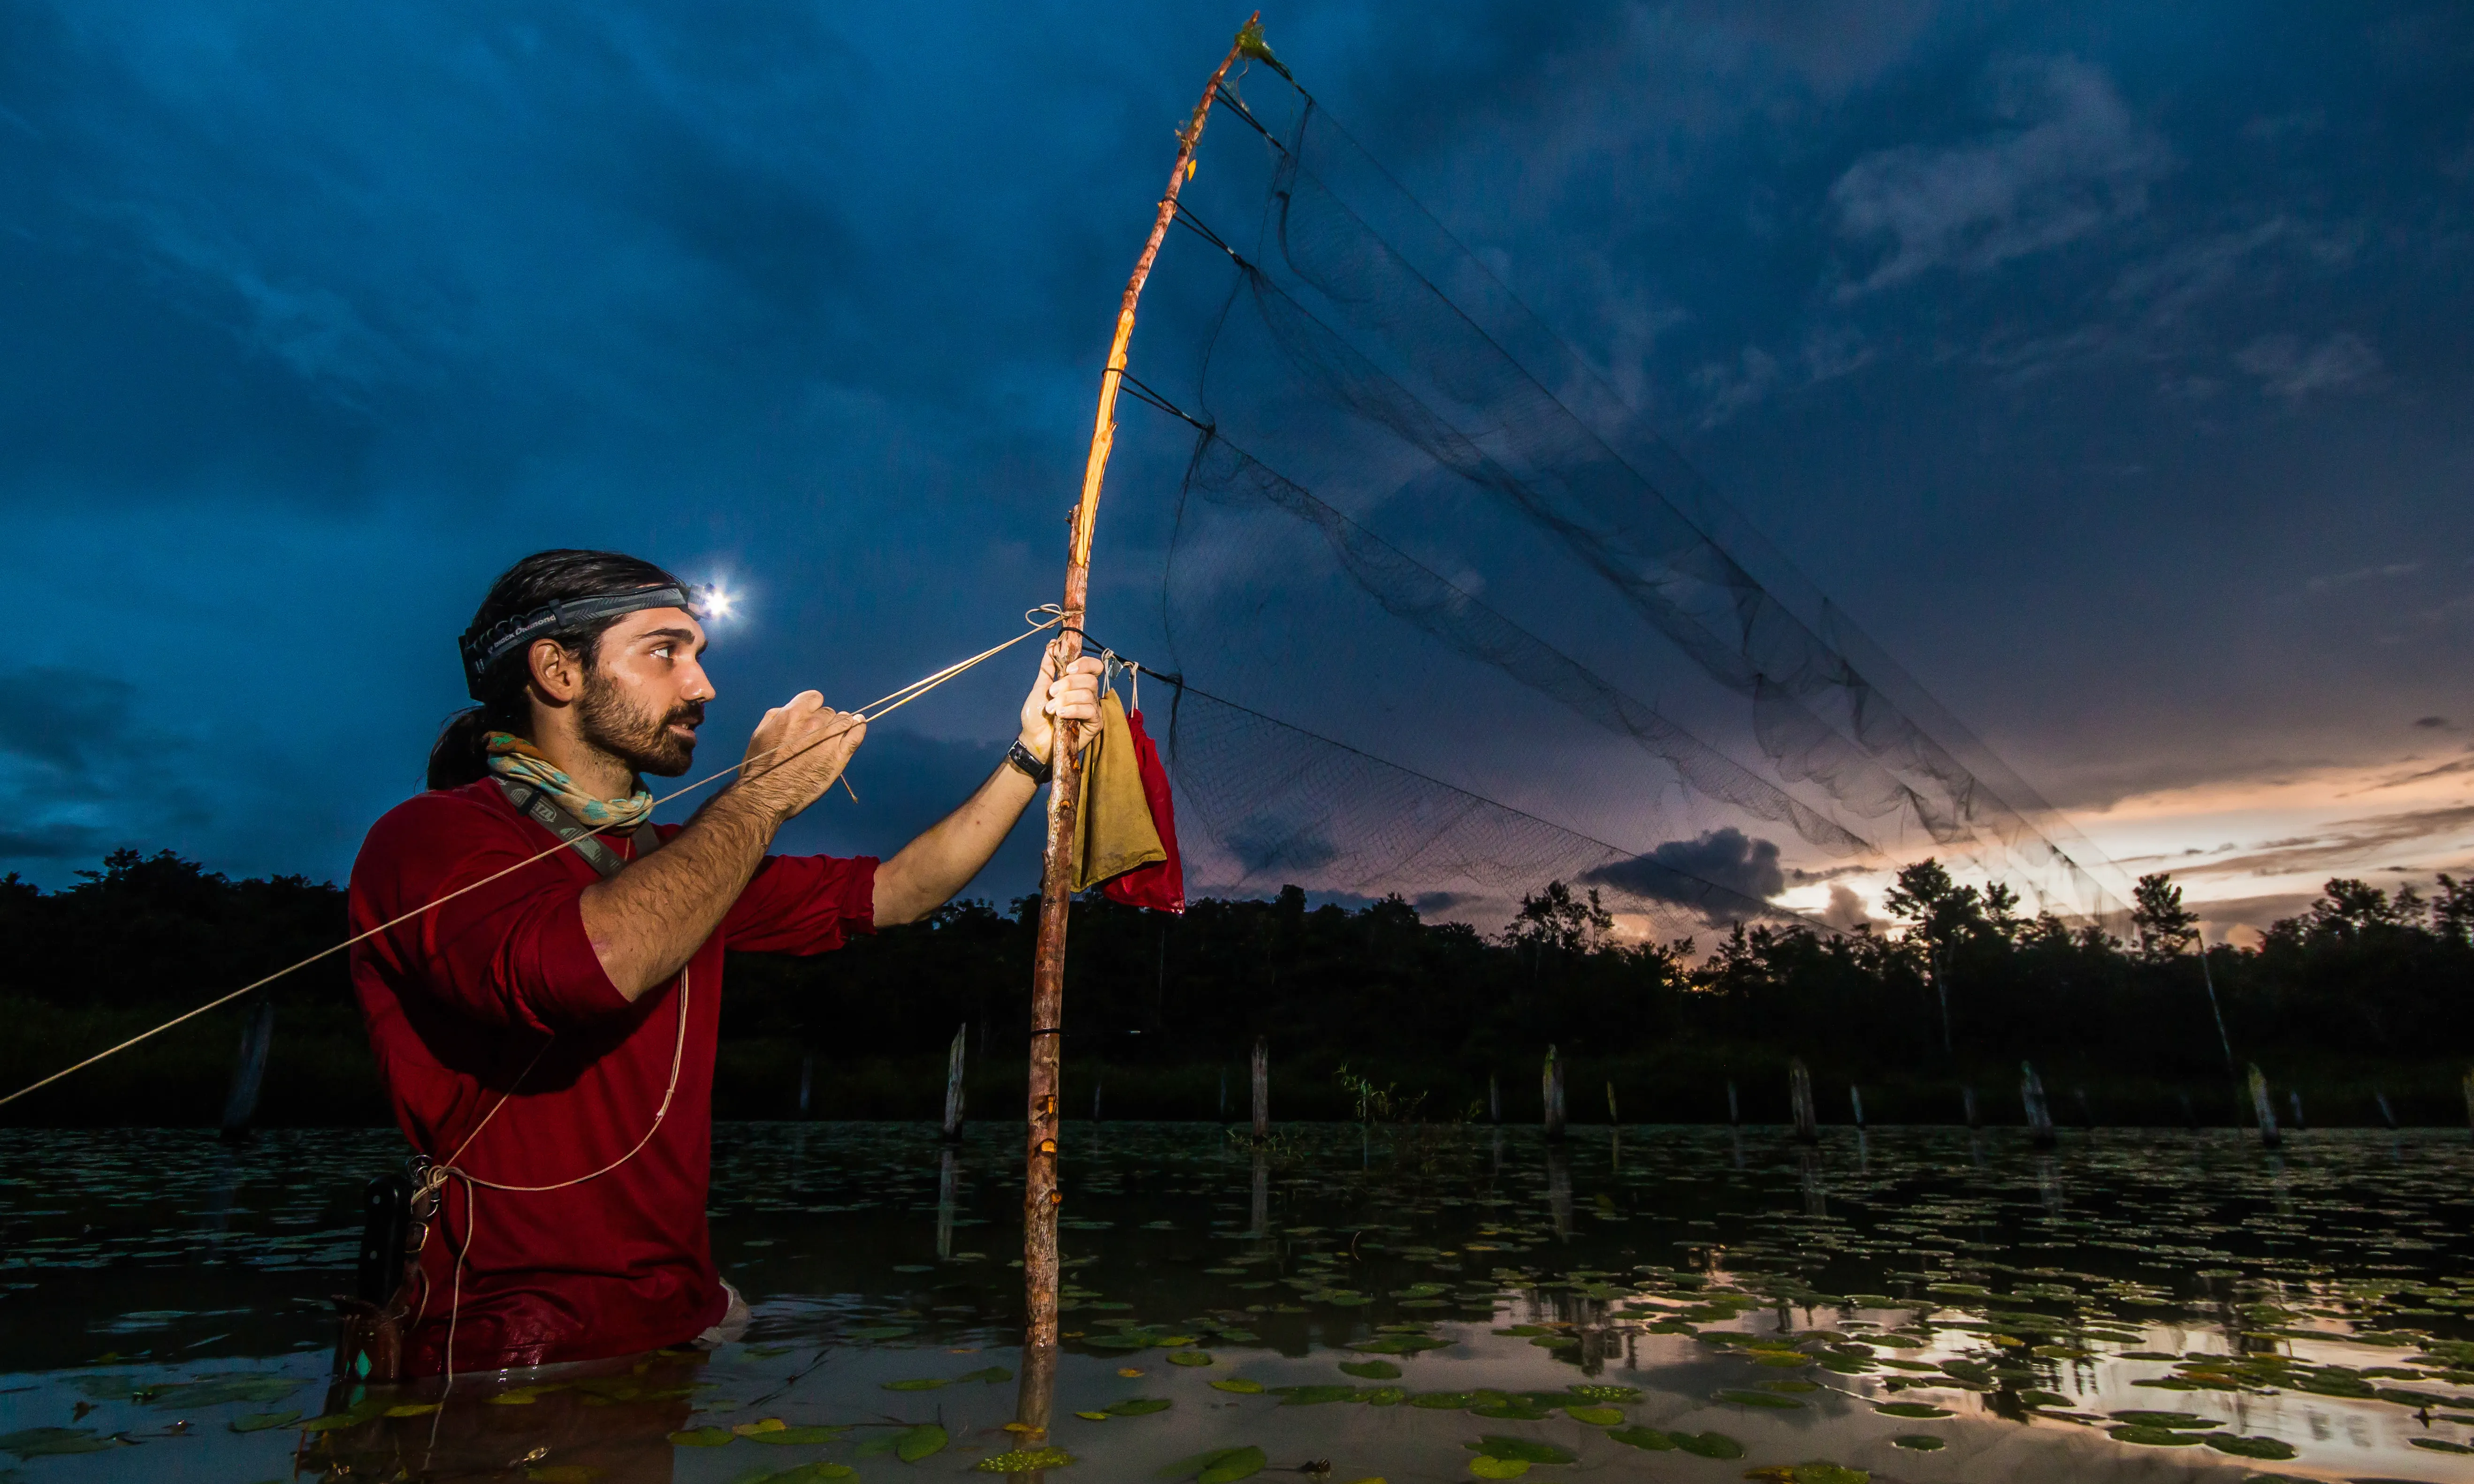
<point x="1262" y="1078"/>
<point x="1041" y="1196"/>
<point x="2032" y="1103"/>
<point x="953" y="1084"/>
<point x="1799" y="1089"/>
<point x="248" y="1072"/>
<point x="1550" y="1093"/>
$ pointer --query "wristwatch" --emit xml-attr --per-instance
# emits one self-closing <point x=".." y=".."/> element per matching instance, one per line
<point x="1033" y="768"/>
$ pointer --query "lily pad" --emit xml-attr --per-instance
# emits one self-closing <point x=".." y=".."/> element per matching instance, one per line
<point x="1188" y="1358"/>
<point x="2152" y="1437"/>
<point x="2248" y="1448"/>
<point x="1220" y="1465"/>
<point x="1918" y="1442"/>
<point x="877" y="1333"/>
<point x="1239" y="1385"/>
<point x="1400" y="1345"/>
<point x="704" y="1436"/>
<point x="2178" y="1422"/>
<point x="47" y="1441"/>
<point x="918" y="1383"/>
<point x="1139" y="1407"/>
<point x="1595" y="1416"/>
<point x="991" y="1375"/>
<point x="1917" y="1409"/>
<point x="1442" y="1401"/>
<point x="1768" y="1399"/>
<point x="1649" y="1438"/>
<point x="1372" y="1370"/>
<point x="920" y="1442"/>
<point x="1313" y="1395"/>
<point x="207" y="1391"/>
<point x="806" y="1473"/>
<point x="1524" y="1450"/>
<point x="1707" y="1444"/>
<point x="1498" y="1468"/>
<point x="265" y="1422"/>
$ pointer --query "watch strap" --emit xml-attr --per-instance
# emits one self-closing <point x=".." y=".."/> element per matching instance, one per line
<point x="1033" y="768"/>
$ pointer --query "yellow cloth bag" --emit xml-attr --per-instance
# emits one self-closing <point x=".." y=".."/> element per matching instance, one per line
<point x="1114" y="819"/>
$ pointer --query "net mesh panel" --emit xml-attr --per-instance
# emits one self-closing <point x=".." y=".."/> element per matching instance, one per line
<point x="1414" y="514"/>
<point x="1279" y="805"/>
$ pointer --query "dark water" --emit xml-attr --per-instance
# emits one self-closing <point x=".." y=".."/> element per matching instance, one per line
<point x="1723" y="1303"/>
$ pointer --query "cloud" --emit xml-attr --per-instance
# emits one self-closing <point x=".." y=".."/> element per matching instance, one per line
<point x="1683" y="871"/>
<point x="2286" y="369"/>
<point x="1846" y="910"/>
<point x="1264" y="844"/>
<point x="2074" y="160"/>
<point x="78" y="766"/>
<point x="2337" y="581"/>
<point x="2344" y="844"/>
<point x="2434" y="722"/>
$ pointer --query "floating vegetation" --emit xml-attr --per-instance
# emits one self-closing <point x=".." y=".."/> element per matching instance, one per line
<point x="2345" y="1278"/>
<point x="1022" y="1460"/>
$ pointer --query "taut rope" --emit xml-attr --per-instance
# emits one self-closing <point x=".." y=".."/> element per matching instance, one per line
<point x="881" y="706"/>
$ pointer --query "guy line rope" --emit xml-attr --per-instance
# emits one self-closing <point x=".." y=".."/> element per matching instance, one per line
<point x="885" y="704"/>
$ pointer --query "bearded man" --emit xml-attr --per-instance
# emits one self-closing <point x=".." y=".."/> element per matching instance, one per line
<point x="546" y="1031"/>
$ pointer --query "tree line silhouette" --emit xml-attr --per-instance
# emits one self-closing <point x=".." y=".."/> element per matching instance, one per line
<point x="2364" y="995"/>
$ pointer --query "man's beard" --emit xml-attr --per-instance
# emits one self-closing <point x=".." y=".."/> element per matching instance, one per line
<point x="640" y="740"/>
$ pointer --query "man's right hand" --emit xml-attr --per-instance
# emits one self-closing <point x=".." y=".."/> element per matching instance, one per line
<point x="798" y="750"/>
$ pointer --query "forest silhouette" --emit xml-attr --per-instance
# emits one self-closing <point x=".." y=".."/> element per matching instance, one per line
<point x="2363" y="996"/>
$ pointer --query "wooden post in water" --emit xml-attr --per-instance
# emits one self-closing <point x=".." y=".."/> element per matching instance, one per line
<point x="1967" y="1105"/>
<point x="2388" y="1114"/>
<point x="1611" y="1116"/>
<point x="807" y="1080"/>
<point x="2261" y="1109"/>
<point x="1041" y="1196"/>
<point x="1799" y="1091"/>
<point x="2032" y="1101"/>
<point x="1262" y="1071"/>
<point x="1550" y="1094"/>
<point x="1493" y="1100"/>
<point x="2468" y="1086"/>
<point x="249" y="1071"/>
<point x="1856" y="1103"/>
<point x="1224" y="1095"/>
<point x="2293" y="1102"/>
<point x="953" y="1083"/>
<point x="1734" y="1111"/>
<point x="1099" y="1085"/>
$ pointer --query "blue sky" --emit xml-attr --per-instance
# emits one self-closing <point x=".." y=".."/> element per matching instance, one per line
<point x="2107" y="361"/>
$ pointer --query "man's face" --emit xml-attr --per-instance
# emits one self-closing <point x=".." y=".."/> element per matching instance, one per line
<point x="643" y="698"/>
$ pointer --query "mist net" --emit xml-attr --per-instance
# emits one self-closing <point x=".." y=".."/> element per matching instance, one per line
<point x="1452" y="624"/>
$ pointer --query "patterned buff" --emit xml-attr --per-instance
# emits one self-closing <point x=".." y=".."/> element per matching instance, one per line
<point x="512" y="757"/>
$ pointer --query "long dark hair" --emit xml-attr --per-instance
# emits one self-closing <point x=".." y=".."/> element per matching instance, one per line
<point x="461" y="754"/>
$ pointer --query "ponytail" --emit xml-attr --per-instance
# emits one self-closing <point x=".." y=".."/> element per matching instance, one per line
<point x="461" y="754"/>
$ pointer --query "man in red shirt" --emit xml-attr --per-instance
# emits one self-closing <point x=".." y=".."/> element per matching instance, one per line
<point x="546" y="1031"/>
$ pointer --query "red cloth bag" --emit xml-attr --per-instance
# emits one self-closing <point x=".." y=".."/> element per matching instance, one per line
<point x="1162" y="885"/>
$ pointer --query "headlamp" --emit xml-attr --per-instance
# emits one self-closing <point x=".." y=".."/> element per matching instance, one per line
<point x="484" y="649"/>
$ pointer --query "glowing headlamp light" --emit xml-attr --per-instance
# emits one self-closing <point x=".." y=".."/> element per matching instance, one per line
<point x="483" y="651"/>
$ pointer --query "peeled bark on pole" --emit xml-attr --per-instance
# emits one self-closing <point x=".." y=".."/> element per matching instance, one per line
<point x="1040" y="1193"/>
<point x="953" y="1084"/>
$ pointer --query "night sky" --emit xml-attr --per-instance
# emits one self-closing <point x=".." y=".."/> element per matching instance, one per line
<point x="2107" y="362"/>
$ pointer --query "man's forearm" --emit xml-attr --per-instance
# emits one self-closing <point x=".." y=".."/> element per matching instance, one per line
<point x="647" y="921"/>
<point x="931" y="868"/>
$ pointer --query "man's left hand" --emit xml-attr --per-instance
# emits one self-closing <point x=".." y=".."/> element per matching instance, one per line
<point x="1074" y="696"/>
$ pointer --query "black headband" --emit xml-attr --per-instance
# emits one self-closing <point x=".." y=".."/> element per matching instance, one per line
<point x="483" y="650"/>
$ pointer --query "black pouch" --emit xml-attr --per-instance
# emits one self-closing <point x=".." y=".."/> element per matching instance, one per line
<point x="370" y="1349"/>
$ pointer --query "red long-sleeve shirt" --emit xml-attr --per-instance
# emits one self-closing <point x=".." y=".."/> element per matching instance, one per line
<point x="462" y="998"/>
